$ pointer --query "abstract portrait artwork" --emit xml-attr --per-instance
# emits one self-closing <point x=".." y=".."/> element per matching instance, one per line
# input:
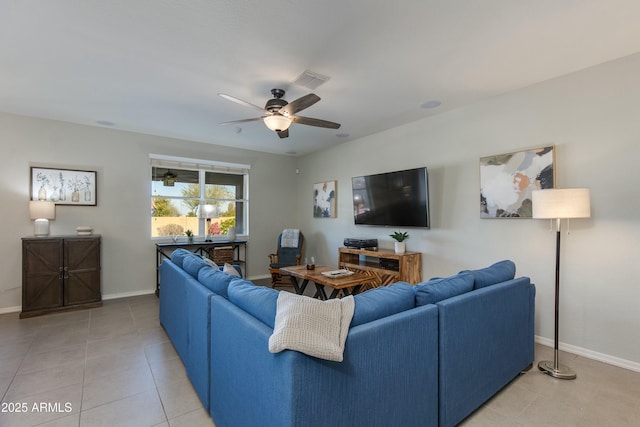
<point x="324" y="199"/>
<point x="507" y="180"/>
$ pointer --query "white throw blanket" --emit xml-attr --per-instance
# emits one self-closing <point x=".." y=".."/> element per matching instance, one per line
<point x="290" y="238"/>
<point x="313" y="327"/>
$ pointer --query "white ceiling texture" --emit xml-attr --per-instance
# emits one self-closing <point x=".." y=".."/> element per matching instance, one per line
<point x="157" y="66"/>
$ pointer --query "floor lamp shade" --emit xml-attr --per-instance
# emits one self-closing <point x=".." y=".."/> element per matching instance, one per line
<point x="559" y="204"/>
<point x="41" y="212"/>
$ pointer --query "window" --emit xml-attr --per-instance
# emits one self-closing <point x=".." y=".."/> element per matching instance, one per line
<point x="180" y="188"/>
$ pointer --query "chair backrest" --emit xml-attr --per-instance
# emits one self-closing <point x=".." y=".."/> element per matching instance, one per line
<point x="289" y="255"/>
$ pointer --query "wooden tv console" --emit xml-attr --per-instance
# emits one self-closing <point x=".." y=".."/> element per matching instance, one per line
<point x="383" y="265"/>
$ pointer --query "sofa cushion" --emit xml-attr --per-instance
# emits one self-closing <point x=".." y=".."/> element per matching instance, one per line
<point x="215" y="280"/>
<point x="310" y="326"/>
<point x="177" y="256"/>
<point x="496" y="273"/>
<point x="193" y="264"/>
<point x="211" y="263"/>
<point x="258" y="301"/>
<point x="230" y="269"/>
<point x="382" y="302"/>
<point x="436" y="290"/>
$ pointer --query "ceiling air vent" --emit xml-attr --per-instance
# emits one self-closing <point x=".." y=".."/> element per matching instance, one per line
<point x="310" y="80"/>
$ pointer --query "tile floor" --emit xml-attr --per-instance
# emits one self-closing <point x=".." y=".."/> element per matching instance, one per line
<point x="114" y="366"/>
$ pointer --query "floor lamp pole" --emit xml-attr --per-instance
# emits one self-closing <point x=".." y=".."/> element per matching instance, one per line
<point x="555" y="369"/>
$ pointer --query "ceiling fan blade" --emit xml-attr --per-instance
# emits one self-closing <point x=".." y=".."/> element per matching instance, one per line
<point x="315" y="122"/>
<point x="299" y="104"/>
<point x="255" y="119"/>
<point x="283" y="133"/>
<point x="242" y="102"/>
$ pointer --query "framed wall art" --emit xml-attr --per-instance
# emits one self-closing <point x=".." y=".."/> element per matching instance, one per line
<point x="324" y="199"/>
<point x="64" y="186"/>
<point x="507" y="180"/>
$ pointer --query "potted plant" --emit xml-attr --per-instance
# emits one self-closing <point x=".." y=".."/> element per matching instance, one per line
<point x="189" y="234"/>
<point x="399" y="238"/>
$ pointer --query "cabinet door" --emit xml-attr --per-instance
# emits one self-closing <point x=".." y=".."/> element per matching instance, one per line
<point x="81" y="271"/>
<point x="41" y="274"/>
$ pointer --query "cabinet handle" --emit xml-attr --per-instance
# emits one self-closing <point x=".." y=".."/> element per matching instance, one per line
<point x="66" y="272"/>
<point x="61" y="273"/>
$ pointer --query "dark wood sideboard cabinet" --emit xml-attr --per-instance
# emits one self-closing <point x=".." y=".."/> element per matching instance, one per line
<point x="60" y="273"/>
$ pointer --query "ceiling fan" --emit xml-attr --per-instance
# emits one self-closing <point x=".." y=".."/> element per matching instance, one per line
<point x="278" y="114"/>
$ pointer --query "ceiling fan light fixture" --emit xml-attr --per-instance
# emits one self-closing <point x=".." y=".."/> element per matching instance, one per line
<point x="277" y="122"/>
<point x="169" y="179"/>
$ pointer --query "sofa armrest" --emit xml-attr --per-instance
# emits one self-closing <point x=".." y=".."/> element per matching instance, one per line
<point x="249" y="385"/>
<point x="173" y="305"/>
<point x="388" y="375"/>
<point x="198" y="336"/>
<point x="486" y="340"/>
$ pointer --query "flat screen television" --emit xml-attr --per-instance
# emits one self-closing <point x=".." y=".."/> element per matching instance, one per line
<point x="398" y="199"/>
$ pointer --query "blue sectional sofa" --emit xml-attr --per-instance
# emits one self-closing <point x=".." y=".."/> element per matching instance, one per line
<point x="422" y="355"/>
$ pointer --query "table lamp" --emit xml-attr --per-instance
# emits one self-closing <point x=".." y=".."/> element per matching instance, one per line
<point x="207" y="212"/>
<point x="559" y="204"/>
<point x="41" y="212"/>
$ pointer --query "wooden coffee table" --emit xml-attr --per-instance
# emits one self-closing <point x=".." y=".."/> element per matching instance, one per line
<point x="349" y="285"/>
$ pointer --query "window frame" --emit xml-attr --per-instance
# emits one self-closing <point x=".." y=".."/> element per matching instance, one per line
<point x="202" y="167"/>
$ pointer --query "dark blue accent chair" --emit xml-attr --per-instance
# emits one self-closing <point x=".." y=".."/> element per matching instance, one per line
<point x="284" y="257"/>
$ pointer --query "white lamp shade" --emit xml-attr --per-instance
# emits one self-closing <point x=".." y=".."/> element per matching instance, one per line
<point x="42" y="210"/>
<point x="207" y="211"/>
<point x="561" y="203"/>
<point x="277" y="122"/>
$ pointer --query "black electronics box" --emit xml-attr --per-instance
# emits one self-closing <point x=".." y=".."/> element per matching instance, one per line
<point x="371" y="244"/>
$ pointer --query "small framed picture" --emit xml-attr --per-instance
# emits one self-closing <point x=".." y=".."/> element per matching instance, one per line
<point x="64" y="186"/>
<point x="325" y="199"/>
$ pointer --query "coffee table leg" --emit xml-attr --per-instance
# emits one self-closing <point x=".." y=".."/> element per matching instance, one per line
<point x="294" y="282"/>
<point x="334" y="293"/>
<point x="305" y="282"/>
<point x="353" y="291"/>
<point x="299" y="288"/>
<point x="320" y="293"/>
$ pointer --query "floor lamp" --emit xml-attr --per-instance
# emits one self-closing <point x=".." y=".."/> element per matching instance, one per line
<point x="559" y="204"/>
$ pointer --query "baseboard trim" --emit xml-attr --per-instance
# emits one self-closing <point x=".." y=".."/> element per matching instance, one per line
<point x="7" y="310"/>
<point x="258" y="277"/>
<point x="128" y="294"/>
<point x="17" y="309"/>
<point x="590" y="354"/>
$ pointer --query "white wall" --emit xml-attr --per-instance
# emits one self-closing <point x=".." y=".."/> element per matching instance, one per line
<point x="593" y="118"/>
<point x="122" y="215"/>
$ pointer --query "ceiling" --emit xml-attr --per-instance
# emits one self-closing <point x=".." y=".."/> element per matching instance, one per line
<point x="156" y="66"/>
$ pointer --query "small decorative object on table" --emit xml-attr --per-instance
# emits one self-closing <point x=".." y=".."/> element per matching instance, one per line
<point x="84" y="230"/>
<point x="231" y="233"/>
<point x="189" y="234"/>
<point x="399" y="238"/>
<point x="311" y="264"/>
<point x="342" y="272"/>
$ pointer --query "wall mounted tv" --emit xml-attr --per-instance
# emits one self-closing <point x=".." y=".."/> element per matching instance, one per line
<point x="398" y="199"/>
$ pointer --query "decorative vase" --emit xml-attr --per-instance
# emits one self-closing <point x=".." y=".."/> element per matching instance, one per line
<point x="399" y="247"/>
<point x="75" y="196"/>
<point x="190" y="239"/>
<point x="231" y="234"/>
<point x="87" y="195"/>
<point x="42" y="193"/>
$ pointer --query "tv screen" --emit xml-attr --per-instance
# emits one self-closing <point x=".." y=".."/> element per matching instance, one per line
<point x="399" y="199"/>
